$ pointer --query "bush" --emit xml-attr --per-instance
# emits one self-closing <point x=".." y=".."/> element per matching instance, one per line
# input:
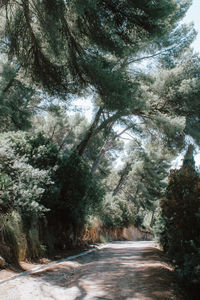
<point x="40" y="151"/>
<point x="22" y="185"/>
<point x="34" y="180"/>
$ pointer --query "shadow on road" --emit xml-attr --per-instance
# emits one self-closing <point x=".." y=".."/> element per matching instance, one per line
<point x="120" y="271"/>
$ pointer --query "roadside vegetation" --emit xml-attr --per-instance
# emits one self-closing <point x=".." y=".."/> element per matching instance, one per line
<point x="63" y="177"/>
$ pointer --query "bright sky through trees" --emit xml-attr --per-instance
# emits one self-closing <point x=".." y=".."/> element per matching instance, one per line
<point x="193" y="15"/>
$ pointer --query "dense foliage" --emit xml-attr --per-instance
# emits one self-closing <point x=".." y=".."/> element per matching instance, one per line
<point x="37" y="182"/>
<point x="17" y="99"/>
<point x="78" y="194"/>
<point x="22" y="183"/>
<point x="179" y="223"/>
<point x="66" y="46"/>
<point x="61" y="172"/>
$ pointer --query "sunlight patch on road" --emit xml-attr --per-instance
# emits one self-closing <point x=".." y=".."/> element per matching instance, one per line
<point x="73" y="292"/>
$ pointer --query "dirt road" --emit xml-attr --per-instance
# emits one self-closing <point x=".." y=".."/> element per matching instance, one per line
<point x="121" y="270"/>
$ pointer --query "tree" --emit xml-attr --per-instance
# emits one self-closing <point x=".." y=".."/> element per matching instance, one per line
<point x="71" y="48"/>
<point x="142" y="180"/>
<point x="179" y="223"/>
<point x="77" y="196"/>
<point x="169" y="105"/>
<point x="178" y="92"/>
<point x="17" y="100"/>
<point x="63" y="130"/>
<point x="66" y="45"/>
<point x="111" y="143"/>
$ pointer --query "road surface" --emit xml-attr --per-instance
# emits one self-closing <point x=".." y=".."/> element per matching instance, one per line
<point x="121" y="270"/>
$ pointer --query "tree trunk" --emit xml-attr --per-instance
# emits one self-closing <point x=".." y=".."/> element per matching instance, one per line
<point x="83" y="144"/>
<point x="122" y="179"/>
<point x="152" y="218"/>
<point x="101" y="155"/>
<point x="105" y="148"/>
<point x="119" y="185"/>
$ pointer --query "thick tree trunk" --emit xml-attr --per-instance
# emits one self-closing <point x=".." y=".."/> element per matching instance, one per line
<point x="83" y="144"/>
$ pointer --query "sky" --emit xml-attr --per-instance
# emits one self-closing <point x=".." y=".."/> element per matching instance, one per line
<point x="193" y="15"/>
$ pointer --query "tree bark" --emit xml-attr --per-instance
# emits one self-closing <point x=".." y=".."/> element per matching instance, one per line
<point x="83" y="144"/>
<point x="104" y="149"/>
<point x="152" y="218"/>
<point x="99" y="158"/>
<point x="122" y="179"/>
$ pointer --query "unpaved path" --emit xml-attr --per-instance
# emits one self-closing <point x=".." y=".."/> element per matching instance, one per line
<point x="121" y="270"/>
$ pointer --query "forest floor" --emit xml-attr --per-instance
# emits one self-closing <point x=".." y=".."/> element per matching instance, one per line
<point x="118" y="271"/>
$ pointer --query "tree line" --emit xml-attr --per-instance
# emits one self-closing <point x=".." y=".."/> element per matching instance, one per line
<point x="57" y="170"/>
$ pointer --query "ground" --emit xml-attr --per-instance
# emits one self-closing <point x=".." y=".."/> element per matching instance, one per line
<point x="118" y="271"/>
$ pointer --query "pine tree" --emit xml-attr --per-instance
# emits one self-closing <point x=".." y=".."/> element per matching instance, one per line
<point x="67" y="46"/>
<point x="18" y="101"/>
<point x="178" y="91"/>
<point x="145" y="181"/>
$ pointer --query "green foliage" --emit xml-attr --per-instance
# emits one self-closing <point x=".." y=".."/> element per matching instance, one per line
<point x="80" y="47"/>
<point x="144" y="183"/>
<point x="35" y="179"/>
<point x="116" y="212"/>
<point x="58" y="127"/>
<point x="178" y="90"/>
<point x="17" y="100"/>
<point x="39" y="151"/>
<point x="179" y="222"/>
<point x="67" y="46"/>
<point x="78" y="195"/>
<point x="22" y="185"/>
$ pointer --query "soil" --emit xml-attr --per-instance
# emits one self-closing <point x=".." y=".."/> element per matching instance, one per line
<point x="119" y="271"/>
<point x="28" y="265"/>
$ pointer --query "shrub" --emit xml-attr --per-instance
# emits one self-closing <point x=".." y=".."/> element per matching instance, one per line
<point x="22" y="185"/>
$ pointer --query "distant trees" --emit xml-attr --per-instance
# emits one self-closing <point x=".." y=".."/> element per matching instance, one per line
<point x="142" y="180"/>
<point x="63" y="130"/>
<point x="62" y="167"/>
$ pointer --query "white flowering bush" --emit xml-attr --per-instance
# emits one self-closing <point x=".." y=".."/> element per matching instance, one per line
<point x="21" y="185"/>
